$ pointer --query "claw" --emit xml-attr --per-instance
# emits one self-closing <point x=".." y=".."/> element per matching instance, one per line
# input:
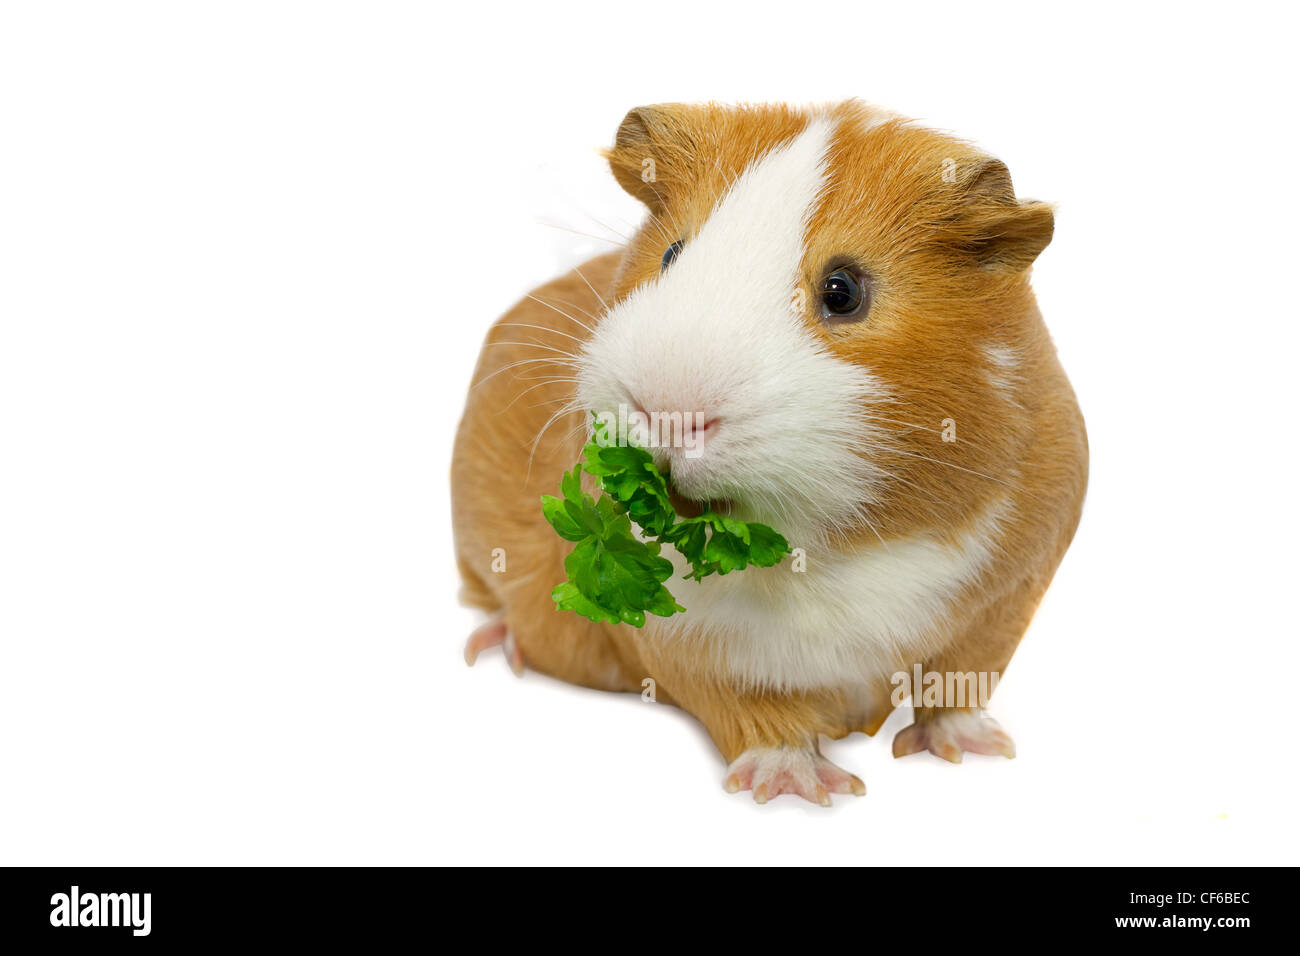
<point x="953" y="733"/>
<point x="491" y="634"/>
<point x="514" y="656"/>
<point x="772" y="771"/>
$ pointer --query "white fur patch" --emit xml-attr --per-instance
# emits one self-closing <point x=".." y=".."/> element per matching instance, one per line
<point x="846" y="619"/>
<point x="718" y="333"/>
<point x="1003" y="367"/>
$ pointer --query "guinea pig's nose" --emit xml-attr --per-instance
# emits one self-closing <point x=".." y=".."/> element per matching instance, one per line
<point x="698" y="429"/>
<point x="700" y="426"/>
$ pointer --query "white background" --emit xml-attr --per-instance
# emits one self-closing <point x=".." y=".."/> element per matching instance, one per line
<point x="247" y="254"/>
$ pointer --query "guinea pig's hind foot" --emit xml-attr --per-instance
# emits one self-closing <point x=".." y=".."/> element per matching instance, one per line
<point x="494" y="633"/>
<point x="771" y="771"/>
<point x="949" y="734"/>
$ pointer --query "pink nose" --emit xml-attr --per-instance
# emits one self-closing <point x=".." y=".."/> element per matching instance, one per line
<point x="689" y="429"/>
<point x="700" y="427"/>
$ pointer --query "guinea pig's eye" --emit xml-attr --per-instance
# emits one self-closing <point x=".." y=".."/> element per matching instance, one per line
<point x="669" y="255"/>
<point x="843" y="296"/>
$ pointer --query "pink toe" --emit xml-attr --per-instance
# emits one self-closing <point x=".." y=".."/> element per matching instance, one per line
<point x="487" y="635"/>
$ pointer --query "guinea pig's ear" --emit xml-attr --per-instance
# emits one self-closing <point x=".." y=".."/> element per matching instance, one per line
<point x="1003" y="232"/>
<point x="650" y="140"/>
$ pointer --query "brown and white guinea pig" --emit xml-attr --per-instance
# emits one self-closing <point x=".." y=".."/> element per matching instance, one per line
<point x="840" y="300"/>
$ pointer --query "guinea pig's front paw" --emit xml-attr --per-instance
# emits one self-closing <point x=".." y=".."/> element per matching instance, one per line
<point x="771" y="771"/>
<point x="952" y="733"/>
<point x="492" y="634"/>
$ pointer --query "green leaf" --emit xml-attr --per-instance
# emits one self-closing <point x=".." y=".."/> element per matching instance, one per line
<point x="615" y="576"/>
<point x="568" y="598"/>
<point x="766" y="547"/>
<point x="564" y="525"/>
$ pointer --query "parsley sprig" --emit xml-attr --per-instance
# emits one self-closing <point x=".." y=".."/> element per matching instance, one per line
<point x="613" y="575"/>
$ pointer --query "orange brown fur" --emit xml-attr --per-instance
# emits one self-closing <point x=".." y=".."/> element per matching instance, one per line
<point x="949" y="258"/>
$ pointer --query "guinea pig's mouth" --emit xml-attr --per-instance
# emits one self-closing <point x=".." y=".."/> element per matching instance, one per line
<point x="692" y="507"/>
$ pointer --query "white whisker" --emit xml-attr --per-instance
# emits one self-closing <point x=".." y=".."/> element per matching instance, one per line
<point x="599" y="299"/>
<point x="534" y="345"/>
<point x="540" y="328"/>
<point x="528" y="361"/>
<point x="562" y="312"/>
<point x="579" y="232"/>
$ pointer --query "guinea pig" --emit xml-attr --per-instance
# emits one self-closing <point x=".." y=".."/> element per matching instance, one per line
<point x="840" y="299"/>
